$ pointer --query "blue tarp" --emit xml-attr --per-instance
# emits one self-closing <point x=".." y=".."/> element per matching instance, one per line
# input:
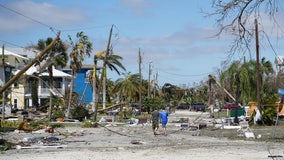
<point x="281" y="91"/>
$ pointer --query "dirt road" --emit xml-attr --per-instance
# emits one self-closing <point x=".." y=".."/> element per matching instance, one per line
<point x="138" y="142"/>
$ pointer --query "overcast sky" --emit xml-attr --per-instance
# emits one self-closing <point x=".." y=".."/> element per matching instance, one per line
<point x="173" y="35"/>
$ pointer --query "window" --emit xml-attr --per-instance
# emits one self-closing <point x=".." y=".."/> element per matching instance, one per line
<point x="16" y="85"/>
<point x="15" y="103"/>
<point x="87" y="75"/>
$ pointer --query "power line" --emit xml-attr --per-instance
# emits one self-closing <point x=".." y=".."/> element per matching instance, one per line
<point x="84" y="28"/>
<point x="183" y="75"/>
<point x="32" y="19"/>
<point x="13" y="44"/>
<point x="271" y="46"/>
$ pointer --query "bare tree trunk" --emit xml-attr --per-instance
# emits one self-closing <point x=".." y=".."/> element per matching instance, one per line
<point x="104" y="89"/>
<point x="94" y="92"/>
<point x="4" y="79"/>
<point x="257" y="68"/>
<point x="50" y="92"/>
<point x="104" y="68"/>
<point x="70" y="97"/>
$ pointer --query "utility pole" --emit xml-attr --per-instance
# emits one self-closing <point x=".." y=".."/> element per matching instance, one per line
<point x="257" y="67"/>
<point x="104" y="68"/>
<point x="14" y="78"/>
<point x="4" y="79"/>
<point x="94" y="90"/>
<point x="237" y="77"/>
<point x="155" y="84"/>
<point x="149" y="80"/>
<point x="140" y="78"/>
<point x="50" y="93"/>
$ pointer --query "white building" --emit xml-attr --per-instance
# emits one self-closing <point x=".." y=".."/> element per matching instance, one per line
<point x="20" y="93"/>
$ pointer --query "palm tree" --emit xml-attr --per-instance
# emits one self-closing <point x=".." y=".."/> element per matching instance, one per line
<point x="58" y="57"/>
<point x="228" y="78"/>
<point x="168" y="91"/>
<point x="127" y="90"/>
<point x="201" y="94"/>
<point x="94" y="80"/>
<point x="128" y="87"/>
<point x="59" y="60"/>
<point x="269" y="86"/>
<point x="247" y="79"/>
<point x="79" y="49"/>
<point x="112" y="62"/>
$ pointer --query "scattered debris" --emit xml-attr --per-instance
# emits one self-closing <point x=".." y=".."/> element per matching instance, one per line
<point x="231" y="127"/>
<point x="23" y="127"/>
<point x="244" y="130"/>
<point x="43" y="129"/>
<point x="133" y="121"/>
<point x="137" y="142"/>
<point x="40" y="140"/>
<point x="249" y="134"/>
<point x="143" y="121"/>
<point x="18" y="147"/>
<point x="275" y="156"/>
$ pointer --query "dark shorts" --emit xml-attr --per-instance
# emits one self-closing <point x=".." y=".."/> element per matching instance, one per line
<point x="155" y="124"/>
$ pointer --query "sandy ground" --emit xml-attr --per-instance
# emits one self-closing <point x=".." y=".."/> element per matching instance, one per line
<point x="138" y="142"/>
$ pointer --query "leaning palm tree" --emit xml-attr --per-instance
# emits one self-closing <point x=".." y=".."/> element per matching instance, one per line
<point x="79" y="49"/>
<point x="112" y="62"/>
<point x="94" y="80"/>
<point x="58" y="57"/>
<point x="59" y="60"/>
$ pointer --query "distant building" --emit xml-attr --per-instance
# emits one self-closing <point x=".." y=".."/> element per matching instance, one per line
<point x="279" y="61"/>
<point x="12" y="62"/>
<point x="20" y="93"/>
<point x="81" y="83"/>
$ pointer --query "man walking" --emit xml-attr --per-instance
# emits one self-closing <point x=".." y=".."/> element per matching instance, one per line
<point x="155" y="121"/>
<point x="164" y="120"/>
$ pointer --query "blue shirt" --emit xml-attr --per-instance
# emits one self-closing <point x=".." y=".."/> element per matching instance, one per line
<point x="164" y="117"/>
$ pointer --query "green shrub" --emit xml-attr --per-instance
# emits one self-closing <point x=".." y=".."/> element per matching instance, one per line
<point x="9" y="124"/>
<point x="4" y="145"/>
<point x="56" y="125"/>
<point x="36" y="124"/>
<point x="87" y="124"/>
<point x="80" y="113"/>
<point x="59" y="113"/>
<point x="269" y="113"/>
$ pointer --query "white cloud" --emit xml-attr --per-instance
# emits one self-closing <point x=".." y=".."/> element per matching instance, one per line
<point x="273" y="26"/>
<point x="186" y="44"/>
<point x="28" y="14"/>
<point x="138" y="7"/>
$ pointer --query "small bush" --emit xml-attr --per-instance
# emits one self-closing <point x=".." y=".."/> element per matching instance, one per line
<point x="87" y="124"/>
<point x="4" y="145"/>
<point x="268" y="114"/>
<point x="56" y="125"/>
<point x="80" y="113"/>
<point x="9" y="124"/>
<point x="58" y="114"/>
<point x="36" y="124"/>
